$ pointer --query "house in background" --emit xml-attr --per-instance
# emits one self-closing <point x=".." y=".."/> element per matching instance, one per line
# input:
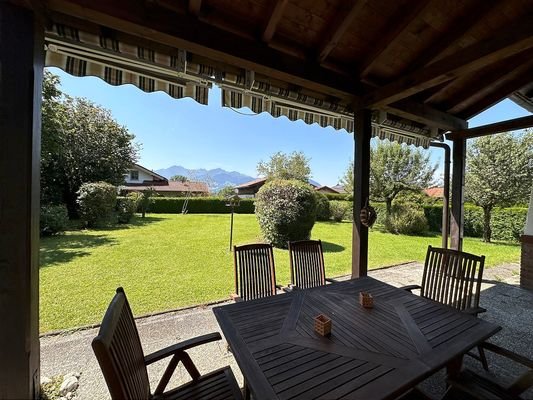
<point x="139" y="178"/>
<point x="326" y="189"/>
<point x="435" y="192"/>
<point x="339" y="188"/>
<point x="250" y="189"/>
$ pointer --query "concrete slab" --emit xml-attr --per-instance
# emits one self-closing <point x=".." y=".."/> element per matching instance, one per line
<point x="507" y="305"/>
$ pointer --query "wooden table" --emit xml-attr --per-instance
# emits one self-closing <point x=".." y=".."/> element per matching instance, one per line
<point x="376" y="353"/>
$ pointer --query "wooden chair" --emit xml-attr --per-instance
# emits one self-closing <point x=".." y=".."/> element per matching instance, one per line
<point x="255" y="274"/>
<point x="307" y="264"/>
<point x="469" y="385"/>
<point x="453" y="278"/>
<point x="120" y="355"/>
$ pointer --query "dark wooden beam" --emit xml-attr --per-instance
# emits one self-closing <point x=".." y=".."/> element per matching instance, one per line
<point x="511" y="40"/>
<point x="275" y="17"/>
<point x="362" y="136"/>
<point x="337" y="29"/>
<point x="402" y="19"/>
<point x="195" y="6"/>
<point x="458" y="183"/>
<point x="20" y="132"/>
<point x="188" y="33"/>
<point x="490" y="129"/>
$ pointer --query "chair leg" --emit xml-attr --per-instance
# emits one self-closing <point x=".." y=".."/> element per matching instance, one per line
<point x="483" y="358"/>
<point x="246" y="391"/>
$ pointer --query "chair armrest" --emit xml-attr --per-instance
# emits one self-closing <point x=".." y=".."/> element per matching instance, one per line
<point x="508" y="354"/>
<point x="474" y="310"/>
<point x="178" y="347"/>
<point x="279" y="287"/>
<point x="410" y="288"/>
<point x="235" y="297"/>
<point x="290" y="288"/>
<point x="331" y="280"/>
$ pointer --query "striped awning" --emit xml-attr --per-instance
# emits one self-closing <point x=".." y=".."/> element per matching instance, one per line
<point x="81" y="53"/>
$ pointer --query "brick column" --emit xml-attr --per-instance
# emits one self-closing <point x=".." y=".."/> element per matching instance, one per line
<point x="526" y="263"/>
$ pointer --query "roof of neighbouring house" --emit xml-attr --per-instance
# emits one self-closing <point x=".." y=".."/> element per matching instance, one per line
<point x="435" y="192"/>
<point x="173" y="186"/>
<point x="324" y="187"/>
<point x="248" y="184"/>
<point x="339" y="188"/>
<point x="149" y="172"/>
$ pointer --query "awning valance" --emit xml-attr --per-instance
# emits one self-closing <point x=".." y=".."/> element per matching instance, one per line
<point x="82" y="53"/>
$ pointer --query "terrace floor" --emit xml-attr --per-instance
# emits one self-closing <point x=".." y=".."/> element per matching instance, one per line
<point x="507" y="305"/>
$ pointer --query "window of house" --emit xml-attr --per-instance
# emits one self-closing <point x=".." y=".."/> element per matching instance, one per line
<point x="134" y="175"/>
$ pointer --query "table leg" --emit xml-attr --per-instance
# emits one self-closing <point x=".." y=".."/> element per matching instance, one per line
<point x="454" y="367"/>
<point x="246" y="391"/>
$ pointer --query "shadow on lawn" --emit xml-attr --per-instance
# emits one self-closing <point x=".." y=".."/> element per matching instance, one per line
<point x="329" y="247"/>
<point x="134" y="223"/>
<point x="61" y="249"/>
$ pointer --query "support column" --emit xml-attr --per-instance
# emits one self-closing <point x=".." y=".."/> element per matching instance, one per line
<point x="362" y="135"/>
<point x="458" y="184"/>
<point x="21" y="73"/>
<point x="526" y="262"/>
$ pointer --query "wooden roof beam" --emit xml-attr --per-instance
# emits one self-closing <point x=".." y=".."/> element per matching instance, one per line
<point x="339" y="26"/>
<point x="272" y="23"/>
<point x="490" y="129"/>
<point x="511" y="40"/>
<point x="387" y="38"/>
<point x="194" y="7"/>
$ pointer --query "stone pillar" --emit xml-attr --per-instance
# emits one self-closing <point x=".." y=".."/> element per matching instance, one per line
<point x="526" y="264"/>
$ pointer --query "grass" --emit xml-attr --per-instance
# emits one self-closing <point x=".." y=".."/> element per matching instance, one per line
<point x="166" y="261"/>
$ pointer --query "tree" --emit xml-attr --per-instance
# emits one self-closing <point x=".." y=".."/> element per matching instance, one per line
<point x="179" y="178"/>
<point x="347" y="180"/>
<point x="226" y="191"/>
<point x="498" y="173"/>
<point x="394" y="169"/>
<point x="286" y="166"/>
<point x="81" y="142"/>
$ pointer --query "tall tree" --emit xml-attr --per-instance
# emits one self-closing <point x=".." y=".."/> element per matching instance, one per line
<point x="286" y="166"/>
<point x="498" y="172"/>
<point x="81" y="142"/>
<point x="347" y="180"/>
<point x="394" y="169"/>
<point x="179" y="178"/>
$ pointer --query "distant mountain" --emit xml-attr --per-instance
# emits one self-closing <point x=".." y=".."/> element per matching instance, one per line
<point x="216" y="178"/>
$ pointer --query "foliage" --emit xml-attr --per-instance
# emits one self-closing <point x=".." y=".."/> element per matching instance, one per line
<point x="179" y="178"/>
<point x="199" y="205"/>
<point x="286" y="211"/>
<point x="340" y="210"/>
<point x="81" y="142"/>
<point x="96" y="202"/>
<point x="226" y="191"/>
<point x="323" y="212"/>
<point x="498" y="173"/>
<point x="347" y="180"/>
<point x="50" y="391"/>
<point x="53" y="219"/>
<point x="339" y="196"/>
<point x="146" y="200"/>
<point x="407" y="219"/>
<point x="395" y="168"/>
<point x="286" y="166"/>
<point x="89" y="265"/>
<point x="127" y="206"/>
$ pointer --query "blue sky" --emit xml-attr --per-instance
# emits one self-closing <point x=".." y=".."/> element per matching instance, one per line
<point x="183" y="132"/>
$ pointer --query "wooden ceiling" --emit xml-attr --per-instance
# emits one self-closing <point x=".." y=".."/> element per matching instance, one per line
<point x="437" y="62"/>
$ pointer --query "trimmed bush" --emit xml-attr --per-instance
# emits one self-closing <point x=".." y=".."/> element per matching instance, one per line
<point x="340" y="210"/>
<point x="323" y="212"/>
<point x="407" y="219"/>
<point x="127" y="206"/>
<point x="199" y="205"/>
<point x="286" y="211"/>
<point x="53" y="219"/>
<point x="508" y="223"/>
<point x="339" y="196"/>
<point x="96" y="202"/>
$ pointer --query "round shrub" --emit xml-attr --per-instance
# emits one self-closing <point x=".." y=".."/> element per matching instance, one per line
<point x="126" y="207"/>
<point x="407" y="219"/>
<point x="340" y="210"/>
<point x="53" y="219"/>
<point x="96" y="202"/>
<point x="286" y="211"/>
<point x="323" y="212"/>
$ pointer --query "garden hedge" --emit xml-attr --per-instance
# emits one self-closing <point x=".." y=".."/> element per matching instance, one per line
<point x="198" y="205"/>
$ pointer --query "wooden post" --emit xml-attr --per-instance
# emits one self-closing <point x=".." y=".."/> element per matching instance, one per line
<point x="362" y="135"/>
<point x="458" y="183"/>
<point x="21" y="73"/>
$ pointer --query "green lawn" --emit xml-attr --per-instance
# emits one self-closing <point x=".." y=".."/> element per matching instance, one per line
<point x="168" y="261"/>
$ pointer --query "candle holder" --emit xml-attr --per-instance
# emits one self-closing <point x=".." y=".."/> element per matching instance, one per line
<point x="366" y="300"/>
<point x="322" y="325"/>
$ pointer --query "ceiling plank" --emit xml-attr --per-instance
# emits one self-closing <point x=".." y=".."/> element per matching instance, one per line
<point x="511" y="40"/>
<point x="275" y="17"/>
<point x="386" y="39"/>
<point x="490" y="129"/>
<point x="189" y="33"/>
<point x="339" y="26"/>
<point x="195" y="6"/>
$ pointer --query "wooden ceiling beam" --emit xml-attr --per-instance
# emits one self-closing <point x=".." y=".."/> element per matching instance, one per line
<point x="272" y="23"/>
<point x="338" y="27"/>
<point x="490" y="129"/>
<point x="386" y="39"/>
<point x="195" y="6"/>
<point x="189" y="33"/>
<point x="511" y="40"/>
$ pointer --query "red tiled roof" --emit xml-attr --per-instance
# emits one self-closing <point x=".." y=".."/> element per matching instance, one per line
<point x="435" y="192"/>
<point x="173" y="186"/>
<point x="251" y="183"/>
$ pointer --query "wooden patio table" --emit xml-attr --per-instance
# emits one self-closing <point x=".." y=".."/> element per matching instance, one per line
<point x="376" y="353"/>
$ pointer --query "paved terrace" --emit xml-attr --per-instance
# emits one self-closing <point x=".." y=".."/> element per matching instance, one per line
<point x="507" y="305"/>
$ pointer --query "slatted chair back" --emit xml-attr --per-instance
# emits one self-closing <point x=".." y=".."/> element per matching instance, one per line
<point x="452" y="277"/>
<point x="118" y="350"/>
<point x="255" y="275"/>
<point x="307" y="264"/>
